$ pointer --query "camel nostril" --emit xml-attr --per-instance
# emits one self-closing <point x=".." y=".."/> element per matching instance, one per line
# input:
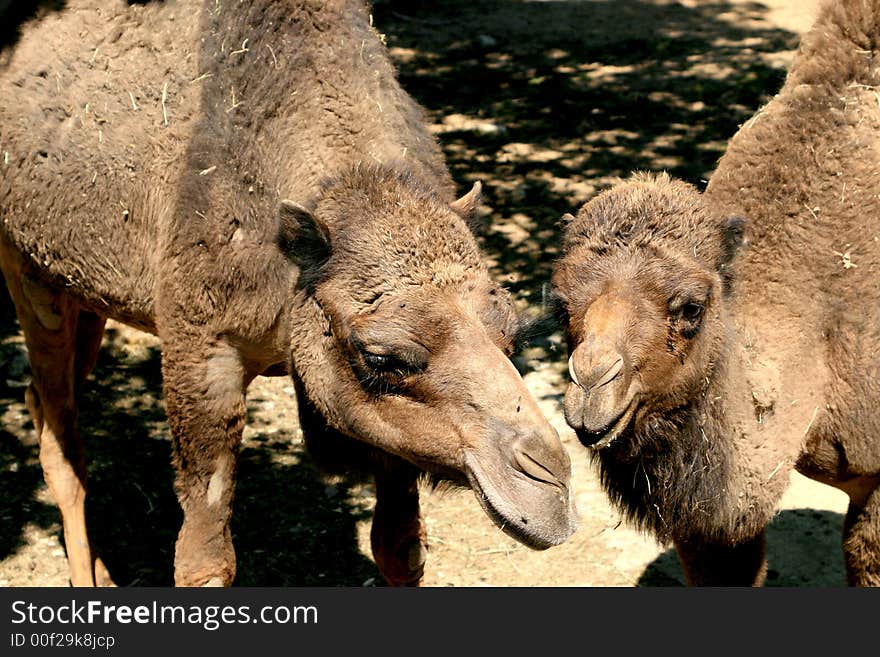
<point x="610" y="374"/>
<point x="600" y="372"/>
<point x="530" y="466"/>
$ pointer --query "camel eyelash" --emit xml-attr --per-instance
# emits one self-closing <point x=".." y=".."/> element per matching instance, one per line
<point x="383" y="373"/>
<point x="388" y="364"/>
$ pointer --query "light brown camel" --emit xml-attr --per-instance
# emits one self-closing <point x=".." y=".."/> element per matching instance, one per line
<point x="149" y="153"/>
<point x="703" y="373"/>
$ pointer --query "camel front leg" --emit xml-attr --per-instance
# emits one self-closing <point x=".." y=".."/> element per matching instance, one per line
<point x="62" y="343"/>
<point x="398" y="536"/>
<point x="861" y="541"/>
<point x="204" y="387"/>
<point x="719" y="564"/>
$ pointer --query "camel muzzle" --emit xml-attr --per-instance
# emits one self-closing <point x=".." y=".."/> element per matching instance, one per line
<point x="602" y="396"/>
<point x="523" y="484"/>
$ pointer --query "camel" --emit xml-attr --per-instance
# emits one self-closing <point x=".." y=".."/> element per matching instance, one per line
<point x="719" y="340"/>
<point x="250" y="183"/>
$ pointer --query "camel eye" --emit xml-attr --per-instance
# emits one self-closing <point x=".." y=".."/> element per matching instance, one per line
<point x="382" y="362"/>
<point x="376" y="361"/>
<point x="387" y="374"/>
<point x="692" y="311"/>
<point x="690" y="316"/>
<point x="388" y="364"/>
<point x="687" y="314"/>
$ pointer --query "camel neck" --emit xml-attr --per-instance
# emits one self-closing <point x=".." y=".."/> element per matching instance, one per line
<point x="750" y="406"/>
<point x="714" y="468"/>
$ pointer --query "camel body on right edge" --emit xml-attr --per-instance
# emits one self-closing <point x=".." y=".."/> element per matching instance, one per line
<point x="719" y="340"/>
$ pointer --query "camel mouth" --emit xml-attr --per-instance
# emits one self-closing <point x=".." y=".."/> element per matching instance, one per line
<point x="534" y="511"/>
<point x="600" y="438"/>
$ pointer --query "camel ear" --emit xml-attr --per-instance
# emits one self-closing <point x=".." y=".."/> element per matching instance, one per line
<point x="466" y="206"/>
<point x="302" y="236"/>
<point x="564" y="226"/>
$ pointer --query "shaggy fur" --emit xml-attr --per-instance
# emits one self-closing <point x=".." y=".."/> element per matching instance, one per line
<point x="780" y="369"/>
<point x="249" y="182"/>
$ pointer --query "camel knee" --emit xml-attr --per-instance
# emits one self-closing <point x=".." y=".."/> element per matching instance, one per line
<point x="221" y="575"/>
<point x="207" y="430"/>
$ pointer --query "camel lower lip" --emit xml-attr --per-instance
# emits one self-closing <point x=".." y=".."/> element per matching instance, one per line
<point x="503" y="524"/>
<point x="604" y="437"/>
<point x="527" y="526"/>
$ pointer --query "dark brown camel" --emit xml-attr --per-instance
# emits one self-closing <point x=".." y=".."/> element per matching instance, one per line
<point x="149" y="151"/>
<point x="703" y="373"/>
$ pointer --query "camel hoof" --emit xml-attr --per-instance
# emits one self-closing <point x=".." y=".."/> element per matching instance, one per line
<point x="102" y="575"/>
<point x="416" y="556"/>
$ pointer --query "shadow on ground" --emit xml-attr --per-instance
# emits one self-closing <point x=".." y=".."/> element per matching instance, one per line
<point x="803" y="550"/>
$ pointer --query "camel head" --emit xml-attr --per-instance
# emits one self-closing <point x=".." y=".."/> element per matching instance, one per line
<point x="643" y="284"/>
<point x="408" y="342"/>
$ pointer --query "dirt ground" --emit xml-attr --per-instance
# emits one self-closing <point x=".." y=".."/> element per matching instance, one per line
<point x="546" y="103"/>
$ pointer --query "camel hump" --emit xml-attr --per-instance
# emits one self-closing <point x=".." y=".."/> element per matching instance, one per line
<point x="840" y="47"/>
